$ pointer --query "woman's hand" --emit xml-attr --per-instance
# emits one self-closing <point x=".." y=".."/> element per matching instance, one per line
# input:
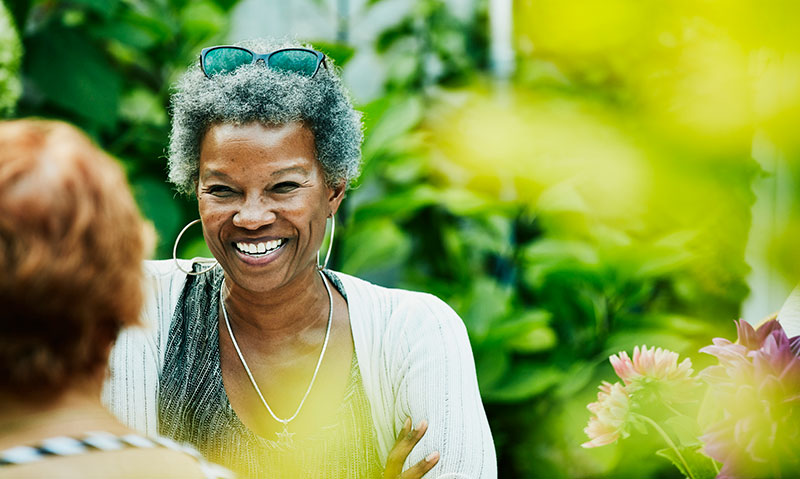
<point x="406" y="440"/>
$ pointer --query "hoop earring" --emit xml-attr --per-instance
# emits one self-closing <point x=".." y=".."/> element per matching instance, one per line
<point x="175" y="253"/>
<point x="330" y="245"/>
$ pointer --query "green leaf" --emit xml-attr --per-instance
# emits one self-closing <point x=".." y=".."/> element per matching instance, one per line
<point x="340" y="53"/>
<point x="529" y="333"/>
<point x="685" y="428"/>
<point x="134" y="30"/>
<point x="157" y="203"/>
<point x="103" y="7"/>
<point x="399" y="205"/>
<point x="201" y="19"/>
<point x="142" y="106"/>
<point x="541" y="338"/>
<point x="195" y="248"/>
<point x="527" y="320"/>
<point x="579" y="375"/>
<point x="699" y="465"/>
<point x="559" y="251"/>
<point x="371" y="245"/>
<point x="525" y="382"/>
<point x="491" y="364"/>
<point x="73" y="73"/>
<point x="400" y="116"/>
<point x="486" y="303"/>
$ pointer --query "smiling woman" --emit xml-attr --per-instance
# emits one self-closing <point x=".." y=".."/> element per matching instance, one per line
<point x="250" y="205"/>
<point x="269" y="363"/>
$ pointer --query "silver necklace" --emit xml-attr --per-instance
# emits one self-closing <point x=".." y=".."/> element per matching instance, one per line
<point x="285" y="437"/>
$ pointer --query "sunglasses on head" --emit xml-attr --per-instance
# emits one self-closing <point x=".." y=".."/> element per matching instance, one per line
<point x="225" y="59"/>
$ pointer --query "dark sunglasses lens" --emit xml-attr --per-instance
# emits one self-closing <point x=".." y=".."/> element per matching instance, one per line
<point x="296" y="61"/>
<point x="224" y="60"/>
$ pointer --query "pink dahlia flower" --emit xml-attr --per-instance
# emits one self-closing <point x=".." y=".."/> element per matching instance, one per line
<point x="757" y="389"/>
<point x="651" y="364"/>
<point x="610" y="420"/>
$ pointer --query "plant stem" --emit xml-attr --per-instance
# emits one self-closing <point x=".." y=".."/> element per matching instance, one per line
<point x="675" y="411"/>
<point x="668" y="440"/>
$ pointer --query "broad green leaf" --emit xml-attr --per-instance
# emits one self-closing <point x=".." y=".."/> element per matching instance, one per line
<point x="529" y="333"/>
<point x="104" y="7"/>
<point x="142" y="106"/>
<point x="699" y="465"/>
<point x="195" y="248"/>
<point x="562" y="197"/>
<point x="534" y="340"/>
<point x="462" y="202"/>
<point x="685" y="428"/>
<point x="486" y="303"/>
<point x="377" y="244"/>
<point x="202" y="18"/>
<point x="135" y="30"/>
<point x="685" y="325"/>
<point x="400" y="116"/>
<point x="73" y="73"/>
<point x="525" y="321"/>
<point x="558" y="251"/>
<point x="491" y="365"/>
<point x="525" y="382"/>
<point x="157" y="203"/>
<point x="579" y="375"/>
<point x="398" y="205"/>
<point x="340" y="53"/>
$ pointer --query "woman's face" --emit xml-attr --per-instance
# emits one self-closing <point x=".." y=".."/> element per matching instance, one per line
<point x="263" y="201"/>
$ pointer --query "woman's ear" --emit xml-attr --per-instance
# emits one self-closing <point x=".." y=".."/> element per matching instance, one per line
<point x="335" y="196"/>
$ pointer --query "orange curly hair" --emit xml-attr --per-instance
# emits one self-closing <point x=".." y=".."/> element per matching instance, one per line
<point x="72" y="243"/>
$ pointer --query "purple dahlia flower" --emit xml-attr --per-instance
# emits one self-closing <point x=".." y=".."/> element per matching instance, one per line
<point x="757" y="389"/>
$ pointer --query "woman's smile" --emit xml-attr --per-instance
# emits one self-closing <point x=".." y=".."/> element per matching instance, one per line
<point x="259" y="252"/>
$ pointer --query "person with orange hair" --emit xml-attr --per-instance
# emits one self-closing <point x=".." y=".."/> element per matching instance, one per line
<point x="72" y="244"/>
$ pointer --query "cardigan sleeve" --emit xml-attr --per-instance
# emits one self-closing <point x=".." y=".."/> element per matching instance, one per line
<point x="130" y="391"/>
<point x="434" y="378"/>
<point x="789" y="315"/>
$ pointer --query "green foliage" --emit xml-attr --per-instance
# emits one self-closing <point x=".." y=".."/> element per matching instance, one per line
<point x="10" y="56"/>
<point x="431" y="46"/>
<point x="107" y="67"/>
<point x="699" y="465"/>
<point x="546" y="283"/>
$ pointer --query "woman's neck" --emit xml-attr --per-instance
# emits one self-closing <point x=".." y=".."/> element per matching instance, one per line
<point x="72" y="413"/>
<point x="294" y="308"/>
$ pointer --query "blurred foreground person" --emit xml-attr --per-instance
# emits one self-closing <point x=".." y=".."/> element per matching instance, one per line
<point x="71" y="248"/>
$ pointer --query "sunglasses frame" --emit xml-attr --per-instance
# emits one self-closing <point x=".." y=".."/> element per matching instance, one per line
<point x="261" y="56"/>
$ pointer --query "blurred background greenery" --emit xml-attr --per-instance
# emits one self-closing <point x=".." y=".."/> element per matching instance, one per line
<point x="574" y="177"/>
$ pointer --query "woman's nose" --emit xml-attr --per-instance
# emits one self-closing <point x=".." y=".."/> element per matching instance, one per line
<point x="254" y="214"/>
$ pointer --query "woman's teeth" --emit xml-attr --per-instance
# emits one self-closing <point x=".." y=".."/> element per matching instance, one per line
<point x="259" y="248"/>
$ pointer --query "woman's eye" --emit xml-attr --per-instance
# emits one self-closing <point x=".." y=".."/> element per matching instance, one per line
<point x="285" y="187"/>
<point x="219" y="190"/>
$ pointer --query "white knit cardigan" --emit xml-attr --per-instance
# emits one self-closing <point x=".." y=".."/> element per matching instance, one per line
<point x="789" y="315"/>
<point x="412" y="350"/>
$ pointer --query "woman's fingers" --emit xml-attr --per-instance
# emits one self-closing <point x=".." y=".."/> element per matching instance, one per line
<point x="406" y="440"/>
<point x="419" y="469"/>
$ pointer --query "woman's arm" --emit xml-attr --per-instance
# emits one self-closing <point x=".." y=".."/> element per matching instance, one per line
<point x="434" y="377"/>
<point x="789" y="315"/>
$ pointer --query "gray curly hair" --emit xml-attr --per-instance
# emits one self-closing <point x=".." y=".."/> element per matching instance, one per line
<point x="254" y="93"/>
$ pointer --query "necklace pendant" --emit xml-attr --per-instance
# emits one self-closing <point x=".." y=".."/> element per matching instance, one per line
<point x="285" y="437"/>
